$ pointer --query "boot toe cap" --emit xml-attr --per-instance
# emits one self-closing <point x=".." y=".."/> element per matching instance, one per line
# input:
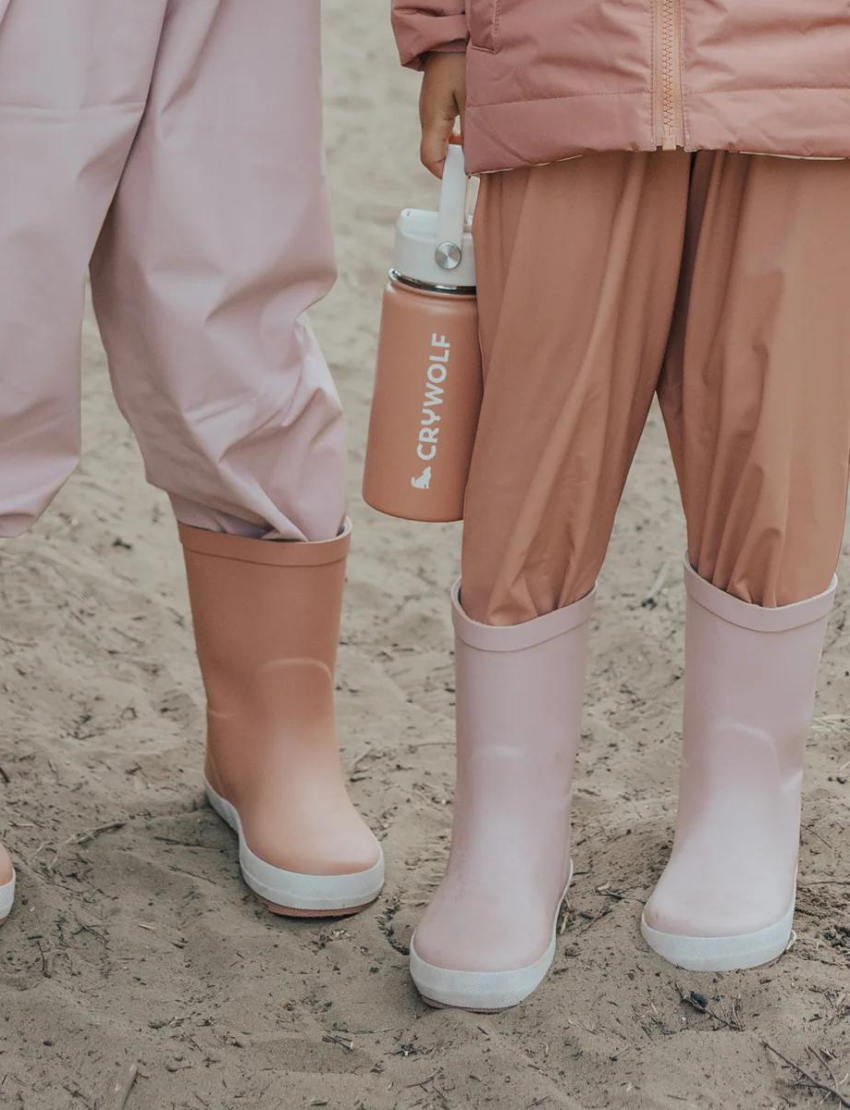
<point x="689" y="902"/>
<point x="484" y="937"/>
<point x="479" y="969"/>
<point x="716" y="927"/>
<point x="329" y="854"/>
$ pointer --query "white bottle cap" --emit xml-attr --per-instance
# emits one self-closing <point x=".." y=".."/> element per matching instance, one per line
<point x="435" y="249"/>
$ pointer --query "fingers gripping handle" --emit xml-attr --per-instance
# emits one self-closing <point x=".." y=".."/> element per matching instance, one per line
<point x="452" y="217"/>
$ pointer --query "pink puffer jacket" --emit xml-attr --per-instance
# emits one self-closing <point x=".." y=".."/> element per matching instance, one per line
<point x="549" y="79"/>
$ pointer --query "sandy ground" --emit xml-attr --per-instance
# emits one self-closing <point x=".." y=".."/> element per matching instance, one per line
<point x="134" y="942"/>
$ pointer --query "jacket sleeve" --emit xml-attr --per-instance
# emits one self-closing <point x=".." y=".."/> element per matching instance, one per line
<point x="424" y="26"/>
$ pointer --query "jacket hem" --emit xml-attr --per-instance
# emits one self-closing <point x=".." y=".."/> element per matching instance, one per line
<point x="516" y="134"/>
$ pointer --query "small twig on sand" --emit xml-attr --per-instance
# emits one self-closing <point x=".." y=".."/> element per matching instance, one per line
<point x="590" y="919"/>
<point x="91" y="834"/>
<point x="356" y="762"/>
<point x="338" y="1038"/>
<point x="814" y="832"/>
<point x="609" y="892"/>
<point x="657" y="588"/>
<point x="46" y="961"/>
<point x="423" y="1083"/>
<point x="809" y="1080"/>
<point x="85" y="837"/>
<point x="822" y="1058"/>
<point x="18" y="643"/>
<point x="119" y="1090"/>
<point x="699" y="1003"/>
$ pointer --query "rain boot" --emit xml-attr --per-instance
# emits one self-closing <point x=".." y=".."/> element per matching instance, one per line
<point x="266" y="616"/>
<point x="7" y="885"/>
<point x="487" y="939"/>
<point x="726" y="898"/>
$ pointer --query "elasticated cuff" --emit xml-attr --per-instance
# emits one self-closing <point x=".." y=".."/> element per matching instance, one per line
<point x="419" y="34"/>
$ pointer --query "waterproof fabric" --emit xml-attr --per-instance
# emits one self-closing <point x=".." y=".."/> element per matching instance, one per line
<point x="719" y="281"/>
<point x="179" y="144"/>
<point x="549" y="80"/>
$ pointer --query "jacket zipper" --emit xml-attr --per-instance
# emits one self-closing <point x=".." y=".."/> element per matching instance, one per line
<point x="669" y="104"/>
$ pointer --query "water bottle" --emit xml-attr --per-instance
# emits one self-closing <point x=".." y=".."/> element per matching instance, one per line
<point x="428" y="384"/>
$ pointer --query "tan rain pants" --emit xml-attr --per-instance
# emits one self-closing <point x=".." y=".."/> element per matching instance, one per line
<point x="721" y="282"/>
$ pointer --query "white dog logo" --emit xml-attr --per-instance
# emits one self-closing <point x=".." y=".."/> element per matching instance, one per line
<point x="423" y="481"/>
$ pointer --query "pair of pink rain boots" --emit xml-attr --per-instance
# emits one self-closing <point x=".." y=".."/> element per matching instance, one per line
<point x="267" y="618"/>
<point x="726" y="898"/>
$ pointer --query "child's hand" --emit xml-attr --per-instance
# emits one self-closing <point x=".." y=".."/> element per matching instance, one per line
<point x="443" y="99"/>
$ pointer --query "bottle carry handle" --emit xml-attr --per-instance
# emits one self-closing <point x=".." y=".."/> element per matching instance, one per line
<point x="451" y="221"/>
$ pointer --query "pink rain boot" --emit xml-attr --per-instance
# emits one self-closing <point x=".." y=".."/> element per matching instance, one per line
<point x="487" y="939"/>
<point x="7" y="884"/>
<point x="726" y="898"/>
<point x="266" y="617"/>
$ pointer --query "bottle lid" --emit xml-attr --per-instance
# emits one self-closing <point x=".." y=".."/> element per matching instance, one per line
<point x="435" y="249"/>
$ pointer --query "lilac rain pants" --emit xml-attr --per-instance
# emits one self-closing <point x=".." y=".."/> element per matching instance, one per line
<point x="174" y="146"/>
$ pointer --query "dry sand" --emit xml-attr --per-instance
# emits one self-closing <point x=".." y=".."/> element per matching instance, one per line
<point x="135" y="943"/>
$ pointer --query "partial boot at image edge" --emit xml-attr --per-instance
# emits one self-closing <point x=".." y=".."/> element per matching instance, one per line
<point x="7" y="886"/>
<point x="725" y="900"/>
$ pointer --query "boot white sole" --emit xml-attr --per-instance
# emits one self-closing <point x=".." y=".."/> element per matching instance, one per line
<point x="735" y="953"/>
<point x="483" y="991"/>
<point x="7" y="899"/>
<point x="292" y="893"/>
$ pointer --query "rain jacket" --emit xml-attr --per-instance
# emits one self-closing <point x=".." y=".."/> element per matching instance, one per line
<point x="550" y="79"/>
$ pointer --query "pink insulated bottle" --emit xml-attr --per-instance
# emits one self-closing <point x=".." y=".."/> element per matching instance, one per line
<point x="428" y="384"/>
